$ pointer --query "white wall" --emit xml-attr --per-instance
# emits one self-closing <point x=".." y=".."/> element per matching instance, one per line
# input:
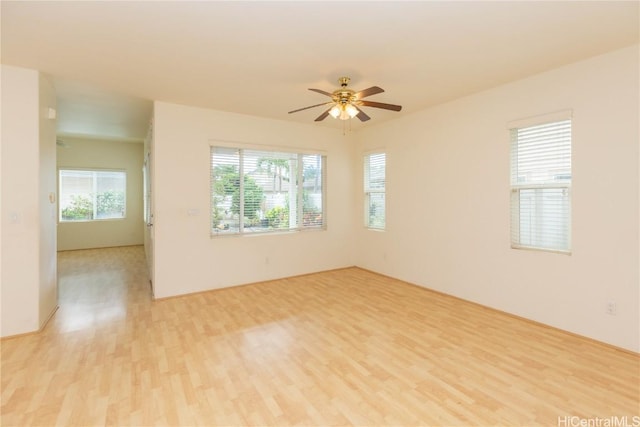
<point x="19" y="201"/>
<point x="186" y="258"/>
<point x="28" y="288"/>
<point x="448" y="201"/>
<point x="101" y="154"/>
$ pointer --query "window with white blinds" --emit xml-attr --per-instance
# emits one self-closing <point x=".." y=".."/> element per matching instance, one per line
<point x="541" y="186"/>
<point x="374" y="190"/>
<point x="89" y="195"/>
<point x="255" y="191"/>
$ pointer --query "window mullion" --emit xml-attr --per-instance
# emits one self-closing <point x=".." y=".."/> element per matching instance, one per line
<point x="94" y="197"/>
<point x="300" y="192"/>
<point x="241" y="191"/>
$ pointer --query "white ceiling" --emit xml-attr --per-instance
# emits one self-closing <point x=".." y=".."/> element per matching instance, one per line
<point x="110" y="58"/>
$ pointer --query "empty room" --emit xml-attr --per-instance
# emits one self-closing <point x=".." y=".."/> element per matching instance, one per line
<point x="323" y="213"/>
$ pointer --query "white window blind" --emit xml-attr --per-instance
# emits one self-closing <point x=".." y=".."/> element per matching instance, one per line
<point x="374" y="190"/>
<point x="87" y="195"/>
<point x="541" y="186"/>
<point x="255" y="191"/>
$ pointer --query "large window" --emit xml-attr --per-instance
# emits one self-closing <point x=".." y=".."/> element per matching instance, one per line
<point x="374" y="190"/>
<point x="265" y="191"/>
<point x="88" y="195"/>
<point x="541" y="186"/>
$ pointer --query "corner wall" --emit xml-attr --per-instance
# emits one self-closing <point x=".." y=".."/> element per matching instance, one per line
<point x="28" y="279"/>
<point x="20" y="180"/>
<point x="47" y="197"/>
<point x="448" y="201"/>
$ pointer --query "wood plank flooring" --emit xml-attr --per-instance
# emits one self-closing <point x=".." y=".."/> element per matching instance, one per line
<point x="345" y="347"/>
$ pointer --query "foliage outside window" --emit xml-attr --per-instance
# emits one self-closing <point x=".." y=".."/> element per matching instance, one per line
<point x="541" y="186"/>
<point x="265" y="191"/>
<point x="88" y="195"/>
<point x="374" y="190"/>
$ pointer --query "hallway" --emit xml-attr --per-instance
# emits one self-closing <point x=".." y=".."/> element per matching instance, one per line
<point x="100" y="287"/>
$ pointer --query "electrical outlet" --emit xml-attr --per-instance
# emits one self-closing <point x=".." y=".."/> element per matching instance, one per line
<point x="612" y="308"/>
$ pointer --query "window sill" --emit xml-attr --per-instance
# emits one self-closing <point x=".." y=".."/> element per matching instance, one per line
<point x="536" y="249"/>
<point x="84" y="221"/>
<point x="266" y="233"/>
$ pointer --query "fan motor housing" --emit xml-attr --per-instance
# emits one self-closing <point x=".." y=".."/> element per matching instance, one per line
<point x="344" y="96"/>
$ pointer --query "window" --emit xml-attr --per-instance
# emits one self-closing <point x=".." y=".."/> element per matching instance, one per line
<point x="374" y="190"/>
<point x="266" y="191"/>
<point x="88" y="195"/>
<point x="541" y="186"/>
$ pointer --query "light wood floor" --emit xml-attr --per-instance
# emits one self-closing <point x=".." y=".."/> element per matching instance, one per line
<point x="345" y="347"/>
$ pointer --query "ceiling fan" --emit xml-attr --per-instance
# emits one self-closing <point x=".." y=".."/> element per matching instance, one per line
<point x="345" y="102"/>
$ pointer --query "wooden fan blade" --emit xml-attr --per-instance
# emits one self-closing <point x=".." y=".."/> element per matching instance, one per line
<point x="321" y="91"/>
<point x="381" y="105"/>
<point x="362" y="115"/>
<point x="322" y="116"/>
<point x="311" y="106"/>
<point x="368" y="92"/>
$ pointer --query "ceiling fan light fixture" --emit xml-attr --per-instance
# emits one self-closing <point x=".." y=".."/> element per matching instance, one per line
<point x="344" y="115"/>
<point x="335" y="111"/>
<point x="343" y="111"/>
<point x="351" y="110"/>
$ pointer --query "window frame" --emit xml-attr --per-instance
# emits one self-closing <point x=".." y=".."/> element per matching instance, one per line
<point x="94" y="172"/>
<point x="299" y="190"/>
<point x="369" y="190"/>
<point x="538" y="188"/>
